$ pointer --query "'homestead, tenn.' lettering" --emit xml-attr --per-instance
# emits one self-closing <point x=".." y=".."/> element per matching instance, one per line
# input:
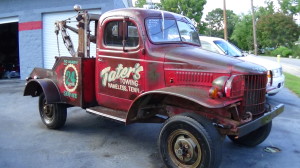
<point x="122" y="73"/>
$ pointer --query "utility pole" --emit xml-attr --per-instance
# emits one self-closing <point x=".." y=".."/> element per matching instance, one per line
<point x="254" y="28"/>
<point x="225" y="20"/>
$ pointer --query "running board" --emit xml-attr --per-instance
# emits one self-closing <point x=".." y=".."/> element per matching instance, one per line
<point x="108" y="113"/>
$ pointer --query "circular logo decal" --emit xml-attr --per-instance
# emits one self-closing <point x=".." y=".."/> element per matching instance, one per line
<point x="70" y="78"/>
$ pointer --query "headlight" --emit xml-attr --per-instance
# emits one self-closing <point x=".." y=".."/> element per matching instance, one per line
<point x="269" y="74"/>
<point x="218" y="86"/>
<point x="270" y="77"/>
<point x="232" y="87"/>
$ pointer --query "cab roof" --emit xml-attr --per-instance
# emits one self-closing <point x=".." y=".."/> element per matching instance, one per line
<point x="140" y="14"/>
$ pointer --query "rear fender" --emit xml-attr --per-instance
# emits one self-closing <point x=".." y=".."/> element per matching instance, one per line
<point x="37" y="86"/>
<point x="198" y="95"/>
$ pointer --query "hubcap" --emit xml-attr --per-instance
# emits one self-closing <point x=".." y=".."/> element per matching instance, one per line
<point x="47" y="112"/>
<point x="184" y="149"/>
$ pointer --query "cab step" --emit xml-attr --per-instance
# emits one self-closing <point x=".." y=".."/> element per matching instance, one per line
<point x="108" y="113"/>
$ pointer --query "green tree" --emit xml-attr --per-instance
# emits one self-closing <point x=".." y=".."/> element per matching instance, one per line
<point x="215" y="22"/>
<point x="192" y="9"/>
<point x="203" y="28"/>
<point x="291" y="7"/>
<point x="243" y="33"/>
<point x="262" y="11"/>
<point x="277" y="29"/>
<point x="140" y="3"/>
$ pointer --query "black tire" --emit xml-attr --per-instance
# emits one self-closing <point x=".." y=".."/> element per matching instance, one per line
<point x="53" y="115"/>
<point x="190" y="141"/>
<point x="255" y="137"/>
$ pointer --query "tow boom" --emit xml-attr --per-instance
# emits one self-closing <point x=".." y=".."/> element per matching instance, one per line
<point x="83" y="30"/>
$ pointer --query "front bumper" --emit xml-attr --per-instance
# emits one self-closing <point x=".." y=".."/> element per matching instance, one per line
<point x="257" y="123"/>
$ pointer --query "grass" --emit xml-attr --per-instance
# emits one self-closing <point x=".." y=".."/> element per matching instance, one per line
<point x="292" y="82"/>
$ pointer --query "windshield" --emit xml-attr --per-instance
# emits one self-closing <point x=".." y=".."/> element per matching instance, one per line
<point x="228" y="48"/>
<point x="169" y="30"/>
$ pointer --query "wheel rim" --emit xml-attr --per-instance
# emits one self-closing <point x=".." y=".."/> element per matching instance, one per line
<point x="184" y="149"/>
<point x="47" y="112"/>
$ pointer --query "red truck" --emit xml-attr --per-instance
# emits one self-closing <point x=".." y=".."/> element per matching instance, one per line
<point x="149" y="67"/>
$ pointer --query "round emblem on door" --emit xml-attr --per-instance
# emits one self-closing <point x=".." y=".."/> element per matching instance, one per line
<point x="70" y="78"/>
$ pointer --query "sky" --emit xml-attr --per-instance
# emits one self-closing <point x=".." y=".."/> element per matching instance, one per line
<point x="238" y="6"/>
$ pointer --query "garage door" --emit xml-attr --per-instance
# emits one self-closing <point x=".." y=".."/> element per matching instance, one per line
<point x="50" y="47"/>
<point x="9" y="20"/>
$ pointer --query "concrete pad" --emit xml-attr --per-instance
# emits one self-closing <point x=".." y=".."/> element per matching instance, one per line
<point x="91" y="141"/>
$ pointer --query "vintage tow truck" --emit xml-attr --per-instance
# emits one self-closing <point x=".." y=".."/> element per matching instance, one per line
<point x="148" y="67"/>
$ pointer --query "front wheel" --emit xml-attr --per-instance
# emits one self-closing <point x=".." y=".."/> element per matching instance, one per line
<point x="187" y="143"/>
<point x="255" y="137"/>
<point x="53" y="115"/>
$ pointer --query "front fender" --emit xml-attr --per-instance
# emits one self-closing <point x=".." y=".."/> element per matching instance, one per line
<point x="198" y="95"/>
<point x="36" y="86"/>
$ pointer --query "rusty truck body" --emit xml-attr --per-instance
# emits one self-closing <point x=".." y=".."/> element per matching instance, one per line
<point x="148" y="67"/>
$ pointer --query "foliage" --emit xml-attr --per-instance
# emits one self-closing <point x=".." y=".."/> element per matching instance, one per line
<point x="293" y="83"/>
<point x="283" y="51"/>
<point x="192" y="9"/>
<point x="215" y="22"/>
<point x="277" y="29"/>
<point x="203" y="28"/>
<point x="263" y="11"/>
<point x="291" y="7"/>
<point x="140" y="3"/>
<point x="296" y="50"/>
<point x="242" y="33"/>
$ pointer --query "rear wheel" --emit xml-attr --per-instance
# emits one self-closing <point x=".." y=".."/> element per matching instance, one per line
<point x="53" y="115"/>
<point x="186" y="142"/>
<point x="255" y="137"/>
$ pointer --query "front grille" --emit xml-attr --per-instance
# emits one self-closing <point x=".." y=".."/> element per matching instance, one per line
<point x="255" y="94"/>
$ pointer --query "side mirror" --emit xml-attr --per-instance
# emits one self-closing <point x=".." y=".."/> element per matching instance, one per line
<point x="125" y="28"/>
<point x="122" y="30"/>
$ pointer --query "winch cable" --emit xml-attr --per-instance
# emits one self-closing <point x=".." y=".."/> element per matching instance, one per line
<point x="57" y="32"/>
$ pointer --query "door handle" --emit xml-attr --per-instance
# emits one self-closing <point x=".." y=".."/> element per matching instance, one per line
<point x="100" y="59"/>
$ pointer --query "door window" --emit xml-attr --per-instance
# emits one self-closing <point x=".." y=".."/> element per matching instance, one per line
<point x="113" y="38"/>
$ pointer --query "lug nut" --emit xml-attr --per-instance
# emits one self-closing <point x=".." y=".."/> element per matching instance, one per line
<point x="179" y="152"/>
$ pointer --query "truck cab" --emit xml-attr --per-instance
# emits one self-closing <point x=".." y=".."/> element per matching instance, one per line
<point x="149" y="67"/>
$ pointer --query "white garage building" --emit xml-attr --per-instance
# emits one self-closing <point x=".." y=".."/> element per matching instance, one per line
<point x="27" y="30"/>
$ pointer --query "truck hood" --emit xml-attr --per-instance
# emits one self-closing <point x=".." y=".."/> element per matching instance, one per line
<point x="268" y="64"/>
<point x="197" y="59"/>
